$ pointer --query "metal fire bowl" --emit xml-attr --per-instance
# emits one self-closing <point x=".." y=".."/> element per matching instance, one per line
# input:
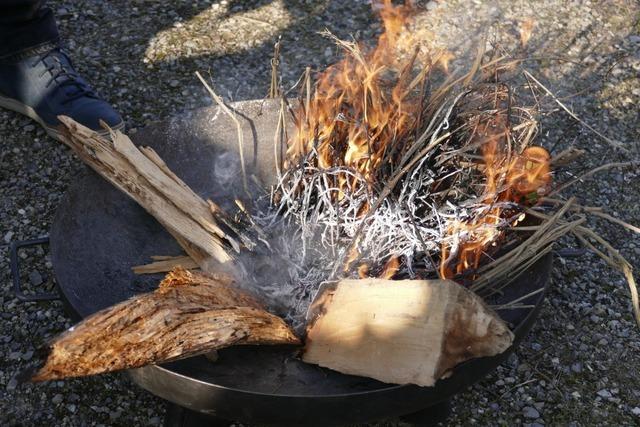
<point x="99" y="234"/>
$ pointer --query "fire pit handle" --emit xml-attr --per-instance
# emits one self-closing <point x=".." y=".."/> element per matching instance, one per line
<point x="15" y="270"/>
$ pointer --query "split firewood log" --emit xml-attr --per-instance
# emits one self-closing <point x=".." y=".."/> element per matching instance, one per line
<point x="163" y="264"/>
<point x="401" y="331"/>
<point x="142" y="175"/>
<point x="189" y="314"/>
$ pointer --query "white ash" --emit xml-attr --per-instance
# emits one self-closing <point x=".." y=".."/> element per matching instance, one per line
<point x="310" y="233"/>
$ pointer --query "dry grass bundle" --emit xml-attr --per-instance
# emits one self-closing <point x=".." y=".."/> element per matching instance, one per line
<point x="398" y="169"/>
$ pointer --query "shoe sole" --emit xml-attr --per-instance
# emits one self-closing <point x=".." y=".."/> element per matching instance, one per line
<point x="52" y="131"/>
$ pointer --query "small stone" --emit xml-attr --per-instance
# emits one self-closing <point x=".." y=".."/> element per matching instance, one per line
<point x="155" y="421"/>
<point x="29" y="128"/>
<point x="576" y="395"/>
<point x="535" y="346"/>
<point x="576" y="367"/>
<point x="28" y="355"/>
<point x="57" y="399"/>
<point x="524" y="367"/>
<point x="555" y="361"/>
<point x="603" y="342"/>
<point x="634" y="38"/>
<point x="530" y="412"/>
<point x="12" y="384"/>
<point x="636" y="411"/>
<point x="8" y="236"/>
<point x="15" y="355"/>
<point x="35" y="278"/>
<point x="174" y="83"/>
<point x="71" y="408"/>
<point x="432" y="5"/>
<point x="604" y="393"/>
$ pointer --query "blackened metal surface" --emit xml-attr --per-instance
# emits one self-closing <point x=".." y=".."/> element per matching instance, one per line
<point x="99" y="234"/>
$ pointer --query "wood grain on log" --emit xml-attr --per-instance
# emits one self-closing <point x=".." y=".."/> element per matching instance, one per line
<point x="165" y="264"/>
<point x="404" y="331"/>
<point x="144" y="177"/>
<point x="189" y="314"/>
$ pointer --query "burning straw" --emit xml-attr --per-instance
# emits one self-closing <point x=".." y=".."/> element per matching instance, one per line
<point x="399" y="169"/>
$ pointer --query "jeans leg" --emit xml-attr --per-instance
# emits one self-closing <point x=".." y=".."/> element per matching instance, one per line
<point x="25" y="27"/>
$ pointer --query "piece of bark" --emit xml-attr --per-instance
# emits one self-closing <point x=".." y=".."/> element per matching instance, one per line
<point x="401" y="331"/>
<point x="165" y="264"/>
<point x="144" y="177"/>
<point x="189" y="314"/>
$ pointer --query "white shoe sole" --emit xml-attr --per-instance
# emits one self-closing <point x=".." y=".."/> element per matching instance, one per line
<point x="52" y="131"/>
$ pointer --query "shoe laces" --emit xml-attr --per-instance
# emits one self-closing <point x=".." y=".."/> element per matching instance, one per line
<point x="62" y="74"/>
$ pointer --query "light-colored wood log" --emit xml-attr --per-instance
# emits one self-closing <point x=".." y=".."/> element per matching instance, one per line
<point x="189" y="314"/>
<point x="144" y="177"/>
<point x="401" y="331"/>
<point x="165" y="264"/>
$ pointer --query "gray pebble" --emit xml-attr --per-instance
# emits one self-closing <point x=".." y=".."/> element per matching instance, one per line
<point x="432" y="5"/>
<point x="604" y="393"/>
<point x="12" y="384"/>
<point x="530" y="412"/>
<point x="57" y="399"/>
<point x="35" y="278"/>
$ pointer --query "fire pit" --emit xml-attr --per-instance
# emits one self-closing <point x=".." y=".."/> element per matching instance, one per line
<point x="99" y="234"/>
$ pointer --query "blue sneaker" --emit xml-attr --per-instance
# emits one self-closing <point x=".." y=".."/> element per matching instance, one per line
<point x="45" y="86"/>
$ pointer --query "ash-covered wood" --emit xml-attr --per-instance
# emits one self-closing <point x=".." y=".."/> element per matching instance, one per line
<point x="402" y="331"/>
<point x="189" y="314"/>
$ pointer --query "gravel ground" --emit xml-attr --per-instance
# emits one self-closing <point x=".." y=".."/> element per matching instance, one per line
<point x="577" y="366"/>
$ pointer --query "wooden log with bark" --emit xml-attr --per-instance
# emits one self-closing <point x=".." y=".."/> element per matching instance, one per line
<point x="189" y="314"/>
<point x="401" y="331"/>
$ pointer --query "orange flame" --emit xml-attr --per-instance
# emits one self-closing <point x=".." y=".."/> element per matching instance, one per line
<point x="362" y="104"/>
<point x="519" y="178"/>
<point x="390" y="268"/>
